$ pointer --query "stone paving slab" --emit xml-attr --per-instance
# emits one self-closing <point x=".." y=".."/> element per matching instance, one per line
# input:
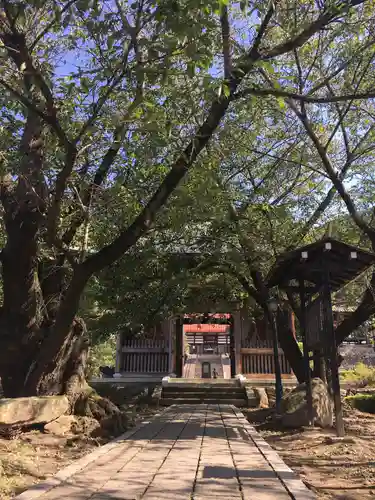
<point x="187" y="452"/>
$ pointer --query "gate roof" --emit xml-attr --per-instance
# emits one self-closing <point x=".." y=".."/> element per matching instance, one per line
<point x="344" y="263"/>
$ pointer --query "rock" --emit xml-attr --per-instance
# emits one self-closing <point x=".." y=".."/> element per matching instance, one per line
<point x="252" y="401"/>
<point x="294" y="406"/>
<point x="33" y="410"/>
<point x="72" y="424"/>
<point x="112" y="426"/>
<point x="60" y="426"/>
<point x="262" y="398"/>
<point x="336" y="439"/>
<point x="156" y="395"/>
<point x="271" y="394"/>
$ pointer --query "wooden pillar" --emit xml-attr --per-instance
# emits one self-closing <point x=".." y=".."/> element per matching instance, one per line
<point x="306" y="352"/>
<point x="237" y="334"/>
<point x="179" y="345"/>
<point x="118" y="361"/>
<point x="167" y="330"/>
<point x="332" y="349"/>
<point x="170" y="344"/>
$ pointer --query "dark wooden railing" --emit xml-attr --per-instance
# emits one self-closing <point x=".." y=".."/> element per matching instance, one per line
<point x="143" y="344"/>
<point x="144" y="362"/>
<point x="260" y="361"/>
<point x="145" y="356"/>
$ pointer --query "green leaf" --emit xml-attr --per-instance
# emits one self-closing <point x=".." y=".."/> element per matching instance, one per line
<point x="152" y="76"/>
<point x="226" y="90"/>
<point x="267" y="65"/>
<point x="152" y="54"/>
<point x="281" y="102"/>
<point x="85" y="82"/>
<point x="190" y="69"/>
<point x="110" y="42"/>
<point x="83" y="5"/>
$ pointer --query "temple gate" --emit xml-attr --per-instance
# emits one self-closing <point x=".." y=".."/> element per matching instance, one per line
<point x="243" y="344"/>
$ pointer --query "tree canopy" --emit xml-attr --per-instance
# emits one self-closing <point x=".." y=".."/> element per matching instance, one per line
<point x="132" y="130"/>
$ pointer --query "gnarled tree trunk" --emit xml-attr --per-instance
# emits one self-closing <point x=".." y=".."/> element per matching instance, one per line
<point x="43" y="348"/>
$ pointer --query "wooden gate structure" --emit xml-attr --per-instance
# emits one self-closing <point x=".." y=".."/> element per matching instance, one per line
<point x="148" y="354"/>
<point x="161" y="351"/>
<point x="257" y="354"/>
<point x="312" y="274"/>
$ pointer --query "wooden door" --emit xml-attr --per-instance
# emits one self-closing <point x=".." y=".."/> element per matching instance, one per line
<point x="206" y="369"/>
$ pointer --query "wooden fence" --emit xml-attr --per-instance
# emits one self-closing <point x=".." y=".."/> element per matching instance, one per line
<point x="145" y="356"/>
<point x="256" y="343"/>
<point x="144" y="344"/>
<point x="260" y="361"/>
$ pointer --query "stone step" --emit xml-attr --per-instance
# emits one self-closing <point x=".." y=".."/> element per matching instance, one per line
<point x="199" y="388"/>
<point x="213" y="381"/>
<point x="195" y="401"/>
<point x="203" y="394"/>
<point x="203" y="385"/>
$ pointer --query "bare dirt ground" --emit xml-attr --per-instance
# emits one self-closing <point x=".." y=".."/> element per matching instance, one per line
<point x="34" y="456"/>
<point x="344" y="470"/>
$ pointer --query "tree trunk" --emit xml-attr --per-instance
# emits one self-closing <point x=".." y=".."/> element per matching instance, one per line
<point x="43" y="345"/>
<point x="21" y="315"/>
<point x="63" y="349"/>
<point x="290" y="346"/>
<point x="363" y="312"/>
<point x="67" y="377"/>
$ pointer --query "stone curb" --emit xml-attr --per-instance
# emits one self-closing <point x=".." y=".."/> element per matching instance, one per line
<point x="291" y="481"/>
<point x="39" y="489"/>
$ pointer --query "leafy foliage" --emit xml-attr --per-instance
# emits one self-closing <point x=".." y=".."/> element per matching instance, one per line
<point x="106" y="109"/>
<point x="101" y="354"/>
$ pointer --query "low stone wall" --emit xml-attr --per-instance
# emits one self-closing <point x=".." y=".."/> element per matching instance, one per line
<point x="354" y="354"/>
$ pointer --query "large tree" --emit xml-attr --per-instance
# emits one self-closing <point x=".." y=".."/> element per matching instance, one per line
<point x="106" y="107"/>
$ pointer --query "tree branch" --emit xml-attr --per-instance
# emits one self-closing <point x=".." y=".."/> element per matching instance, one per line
<point x="228" y="268"/>
<point x="100" y="176"/>
<point x="323" y="20"/>
<point x="333" y="175"/>
<point x="103" y="99"/>
<point x="50" y="120"/>
<point x="145" y="219"/>
<point x="181" y="166"/>
<point x="225" y="34"/>
<point x="55" y="206"/>
<point x="51" y="24"/>
<point x="341" y="67"/>
<point x="304" y="98"/>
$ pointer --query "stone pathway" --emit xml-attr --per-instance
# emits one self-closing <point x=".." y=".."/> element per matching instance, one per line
<point x="186" y="452"/>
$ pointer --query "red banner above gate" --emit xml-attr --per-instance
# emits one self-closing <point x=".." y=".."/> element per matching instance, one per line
<point x="206" y="328"/>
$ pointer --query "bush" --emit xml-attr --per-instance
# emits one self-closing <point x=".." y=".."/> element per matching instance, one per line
<point x="102" y="354"/>
<point x="360" y="375"/>
<point x="362" y="402"/>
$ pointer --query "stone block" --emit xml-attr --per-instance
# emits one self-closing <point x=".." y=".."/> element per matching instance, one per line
<point x="33" y="410"/>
